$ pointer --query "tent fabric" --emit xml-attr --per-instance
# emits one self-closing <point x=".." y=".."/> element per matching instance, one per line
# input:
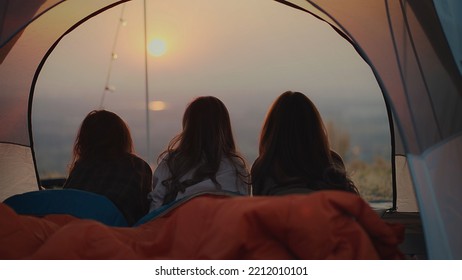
<point x="17" y="14"/>
<point x="452" y="24"/>
<point x="14" y="16"/>
<point x="439" y="175"/>
<point x="17" y="171"/>
<point x="323" y="225"/>
<point x="80" y="204"/>
<point x="402" y="41"/>
<point x="406" y="198"/>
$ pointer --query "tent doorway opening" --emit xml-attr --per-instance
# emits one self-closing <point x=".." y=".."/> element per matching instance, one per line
<point x="245" y="53"/>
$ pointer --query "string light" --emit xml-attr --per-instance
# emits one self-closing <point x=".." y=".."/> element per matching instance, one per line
<point x="110" y="88"/>
<point x="114" y="56"/>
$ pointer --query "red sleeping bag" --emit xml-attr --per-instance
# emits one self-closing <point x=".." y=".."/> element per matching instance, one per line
<point x="321" y="225"/>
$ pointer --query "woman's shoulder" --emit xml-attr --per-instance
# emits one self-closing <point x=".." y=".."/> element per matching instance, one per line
<point x="162" y="161"/>
<point x="134" y="157"/>
<point x="162" y="169"/>
<point x="229" y="162"/>
<point x="136" y="161"/>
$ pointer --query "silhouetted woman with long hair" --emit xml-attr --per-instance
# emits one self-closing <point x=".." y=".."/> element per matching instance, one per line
<point x="294" y="153"/>
<point x="104" y="162"/>
<point x="202" y="158"/>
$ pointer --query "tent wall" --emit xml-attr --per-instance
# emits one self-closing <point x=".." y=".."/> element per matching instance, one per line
<point x="437" y="173"/>
<point x="451" y="21"/>
<point x="15" y="15"/>
<point x="406" y="198"/>
<point x="17" y="170"/>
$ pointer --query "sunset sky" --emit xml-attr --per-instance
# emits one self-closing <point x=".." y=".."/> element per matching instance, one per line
<point x="244" y="52"/>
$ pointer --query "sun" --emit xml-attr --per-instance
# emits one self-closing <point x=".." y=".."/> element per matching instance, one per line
<point x="157" y="47"/>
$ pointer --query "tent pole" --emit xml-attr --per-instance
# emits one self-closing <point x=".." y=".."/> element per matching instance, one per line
<point x="148" y="133"/>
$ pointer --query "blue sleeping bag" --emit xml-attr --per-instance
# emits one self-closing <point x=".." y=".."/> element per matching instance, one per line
<point x="80" y="204"/>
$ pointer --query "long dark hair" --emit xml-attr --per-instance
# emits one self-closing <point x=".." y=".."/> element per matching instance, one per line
<point x="206" y="139"/>
<point x="294" y="147"/>
<point x="102" y="134"/>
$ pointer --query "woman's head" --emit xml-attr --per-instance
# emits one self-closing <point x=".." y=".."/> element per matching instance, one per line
<point x="294" y="148"/>
<point x="207" y="128"/>
<point x="293" y="137"/>
<point x="102" y="134"/>
<point x="205" y="140"/>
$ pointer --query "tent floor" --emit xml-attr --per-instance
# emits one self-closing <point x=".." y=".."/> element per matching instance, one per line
<point x="413" y="245"/>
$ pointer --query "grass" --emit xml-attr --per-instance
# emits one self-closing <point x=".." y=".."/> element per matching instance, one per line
<point x="373" y="180"/>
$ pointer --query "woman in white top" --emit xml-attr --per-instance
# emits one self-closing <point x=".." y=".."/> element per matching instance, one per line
<point x="202" y="158"/>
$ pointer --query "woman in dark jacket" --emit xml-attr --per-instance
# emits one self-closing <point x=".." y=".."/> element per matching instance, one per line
<point x="294" y="153"/>
<point x="104" y="163"/>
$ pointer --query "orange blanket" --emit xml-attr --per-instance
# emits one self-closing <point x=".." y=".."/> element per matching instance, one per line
<point x="322" y="225"/>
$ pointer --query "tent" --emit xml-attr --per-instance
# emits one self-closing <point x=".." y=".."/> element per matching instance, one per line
<point x="413" y="48"/>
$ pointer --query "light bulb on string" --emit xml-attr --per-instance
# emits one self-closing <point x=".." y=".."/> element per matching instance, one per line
<point x="110" y="88"/>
